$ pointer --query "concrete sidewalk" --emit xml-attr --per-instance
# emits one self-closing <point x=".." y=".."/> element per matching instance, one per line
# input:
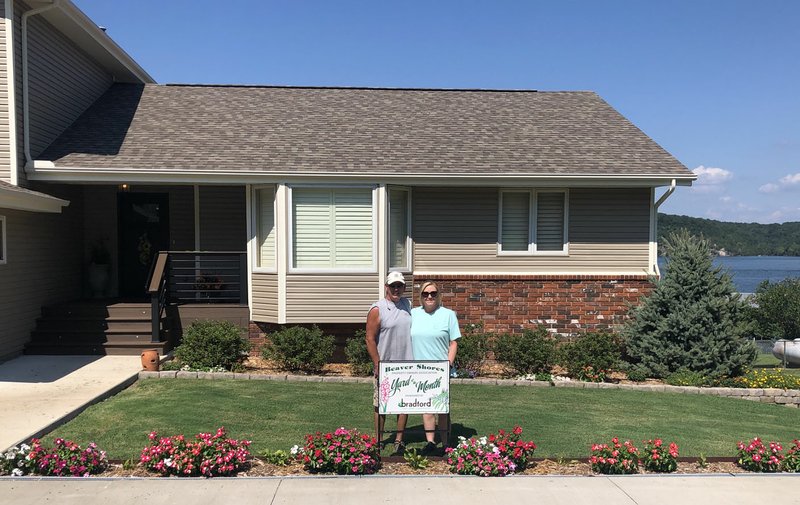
<point x="37" y="393"/>
<point x="725" y="489"/>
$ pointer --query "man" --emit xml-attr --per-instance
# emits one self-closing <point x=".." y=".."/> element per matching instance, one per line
<point x="389" y="339"/>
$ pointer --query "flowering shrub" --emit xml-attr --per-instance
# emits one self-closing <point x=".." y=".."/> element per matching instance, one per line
<point x="765" y="378"/>
<point x="792" y="461"/>
<point x="615" y="459"/>
<point x="15" y="461"/>
<point x="478" y="456"/>
<point x="66" y="458"/>
<point x="496" y="455"/>
<point x="591" y="374"/>
<point x="345" y="452"/>
<point x="658" y="458"/>
<point x="756" y="457"/>
<point x="209" y="455"/>
<point x="518" y="451"/>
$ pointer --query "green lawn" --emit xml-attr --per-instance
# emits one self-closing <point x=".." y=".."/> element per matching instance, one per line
<point x="767" y="360"/>
<point x="562" y="422"/>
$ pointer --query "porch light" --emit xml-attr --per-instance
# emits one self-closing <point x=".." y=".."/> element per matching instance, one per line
<point x="123" y="188"/>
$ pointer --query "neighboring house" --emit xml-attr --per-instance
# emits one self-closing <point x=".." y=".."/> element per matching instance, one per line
<point x="527" y="207"/>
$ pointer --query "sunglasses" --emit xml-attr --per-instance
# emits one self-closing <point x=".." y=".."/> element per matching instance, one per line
<point x="430" y="294"/>
<point x="397" y="285"/>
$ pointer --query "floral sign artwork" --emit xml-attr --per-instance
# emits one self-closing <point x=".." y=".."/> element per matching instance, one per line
<point x="414" y="387"/>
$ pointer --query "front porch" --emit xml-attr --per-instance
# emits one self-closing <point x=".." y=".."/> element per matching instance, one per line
<point x="153" y="259"/>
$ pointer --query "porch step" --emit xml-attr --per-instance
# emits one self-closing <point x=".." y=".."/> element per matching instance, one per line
<point x="97" y="327"/>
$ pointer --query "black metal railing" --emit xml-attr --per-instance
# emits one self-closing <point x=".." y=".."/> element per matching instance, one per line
<point x="207" y="277"/>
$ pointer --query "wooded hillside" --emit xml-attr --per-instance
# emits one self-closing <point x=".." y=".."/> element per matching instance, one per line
<point x="738" y="239"/>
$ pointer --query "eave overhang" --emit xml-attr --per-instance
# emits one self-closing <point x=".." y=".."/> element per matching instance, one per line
<point x="18" y="199"/>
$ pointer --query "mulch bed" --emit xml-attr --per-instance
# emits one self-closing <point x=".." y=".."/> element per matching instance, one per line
<point x="438" y="466"/>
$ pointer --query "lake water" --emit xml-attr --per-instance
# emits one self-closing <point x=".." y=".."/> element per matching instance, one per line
<point x="749" y="271"/>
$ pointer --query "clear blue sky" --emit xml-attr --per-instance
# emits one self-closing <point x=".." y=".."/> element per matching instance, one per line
<point x="716" y="83"/>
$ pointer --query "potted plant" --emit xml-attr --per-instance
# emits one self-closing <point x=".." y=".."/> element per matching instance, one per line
<point x="99" y="268"/>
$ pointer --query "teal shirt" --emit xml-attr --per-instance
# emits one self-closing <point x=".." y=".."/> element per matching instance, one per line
<point x="431" y="333"/>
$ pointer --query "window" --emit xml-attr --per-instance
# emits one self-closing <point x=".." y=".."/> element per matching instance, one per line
<point x="532" y="222"/>
<point x="265" y="227"/>
<point x="333" y="228"/>
<point x="2" y="240"/>
<point x="399" y="249"/>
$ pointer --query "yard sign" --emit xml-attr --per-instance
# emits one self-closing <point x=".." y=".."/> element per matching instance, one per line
<point x="414" y="387"/>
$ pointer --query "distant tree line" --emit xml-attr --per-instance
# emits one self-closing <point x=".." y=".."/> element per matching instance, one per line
<point x="737" y="239"/>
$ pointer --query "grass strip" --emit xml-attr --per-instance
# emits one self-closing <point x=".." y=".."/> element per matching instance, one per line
<point x="563" y="422"/>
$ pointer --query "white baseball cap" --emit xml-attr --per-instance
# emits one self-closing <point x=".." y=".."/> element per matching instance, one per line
<point x="394" y="277"/>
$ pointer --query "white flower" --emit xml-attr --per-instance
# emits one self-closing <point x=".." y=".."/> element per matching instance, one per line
<point x="168" y="462"/>
<point x="17" y="473"/>
<point x="10" y="455"/>
<point x="295" y="449"/>
<point x="482" y="440"/>
<point x="24" y="447"/>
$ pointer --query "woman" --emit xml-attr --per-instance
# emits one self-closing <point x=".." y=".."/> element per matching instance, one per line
<point x="434" y="336"/>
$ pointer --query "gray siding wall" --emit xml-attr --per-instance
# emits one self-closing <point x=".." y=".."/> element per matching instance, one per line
<point x="456" y="232"/>
<point x="223" y="219"/>
<point x="330" y="298"/>
<point x="63" y="82"/>
<point x="265" y="297"/>
<point x="45" y="266"/>
<point x="5" y="142"/>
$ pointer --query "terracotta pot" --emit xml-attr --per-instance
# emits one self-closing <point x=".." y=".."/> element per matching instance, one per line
<point x="150" y="360"/>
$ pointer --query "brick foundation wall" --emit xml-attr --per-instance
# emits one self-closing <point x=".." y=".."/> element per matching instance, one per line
<point x="566" y="305"/>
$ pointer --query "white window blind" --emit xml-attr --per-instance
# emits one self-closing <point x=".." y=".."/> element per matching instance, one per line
<point x="515" y="225"/>
<point x="265" y="215"/>
<point x="2" y="240"/>
<point x="550" y="221"/>
<point x="398" y="229"/>
<point x="333" y="228"/>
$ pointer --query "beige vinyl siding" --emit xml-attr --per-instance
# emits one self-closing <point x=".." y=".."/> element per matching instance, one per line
<point x="265" y="297"/>
<point x="266" y="233"/>
<point x="5" y="136"/>
<point x="63" y="81"/>
<point x="456" y="231"/>
<point x="330" y="298"/>
<point x="223" y="220"/>
<point x="44" y="267"/>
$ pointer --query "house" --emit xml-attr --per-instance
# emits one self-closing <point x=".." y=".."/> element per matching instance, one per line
<point x="291" y="203"/>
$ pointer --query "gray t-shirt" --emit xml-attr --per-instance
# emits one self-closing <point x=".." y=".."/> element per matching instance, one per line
<point x="394" y="337"/>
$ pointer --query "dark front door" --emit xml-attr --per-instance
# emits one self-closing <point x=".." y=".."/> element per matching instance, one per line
<point x="143" y="232"/>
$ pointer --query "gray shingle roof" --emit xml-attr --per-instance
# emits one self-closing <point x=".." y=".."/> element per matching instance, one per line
<point x="361" y="131"/>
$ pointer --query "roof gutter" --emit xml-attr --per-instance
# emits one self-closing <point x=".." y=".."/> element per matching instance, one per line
<point x="654" y="227"/>
<point x="26" y="136"/>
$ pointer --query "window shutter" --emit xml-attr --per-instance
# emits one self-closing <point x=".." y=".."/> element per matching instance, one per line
<point x="313" y="228"/>
<point x="266" y="226"/>
<point x="353" y="228"/>
<point x="332" y="228"/>
<point x="515" y="221"/>
<point x="398" y="228"/>
<point x="550" y="221"/>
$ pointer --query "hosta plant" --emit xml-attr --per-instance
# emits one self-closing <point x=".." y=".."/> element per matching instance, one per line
<point x="207" y="455"/>
<point x="344" y="452"/>
<point x="616" y="458"/>
<point x="658" y="457"/>
<point x="757" y="457"/>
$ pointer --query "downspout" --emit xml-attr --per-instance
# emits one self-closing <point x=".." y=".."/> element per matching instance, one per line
<point x="658" y="203"/>
<point x="26" y="138"/>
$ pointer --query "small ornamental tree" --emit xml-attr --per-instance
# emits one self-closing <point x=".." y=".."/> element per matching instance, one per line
<point x="693" y="320"/>
<point x="777" y="309"/>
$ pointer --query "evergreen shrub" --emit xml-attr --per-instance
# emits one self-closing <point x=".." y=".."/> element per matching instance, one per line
<point x="692" y="320"/>
<point x="529" y="353"/>
<point x="472" y="349"/>
<point x="776" y="310"/>
<point x="299" y="348"/>
<point x="600" y="351"/>
<point x="212" y="344"/>
<point x="357" y="355"/>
